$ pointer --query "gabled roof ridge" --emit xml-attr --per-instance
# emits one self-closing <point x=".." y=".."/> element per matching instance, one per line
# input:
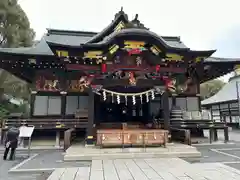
<point x="77" y="32"/>
<point x="70" y="32"/>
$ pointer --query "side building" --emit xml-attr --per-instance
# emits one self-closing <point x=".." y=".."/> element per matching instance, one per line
<point x="224" y="105"/>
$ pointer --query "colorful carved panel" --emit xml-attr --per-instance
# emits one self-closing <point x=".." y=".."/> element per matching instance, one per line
<point x="47" y="82"/>
<point x="79" y="83"/>
<point x="134" y="47"/>
<point x="133" y="60"/>
<point x="178" y="84"/>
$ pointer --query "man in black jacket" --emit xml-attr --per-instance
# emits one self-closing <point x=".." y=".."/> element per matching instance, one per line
<point x="11" y="142"/>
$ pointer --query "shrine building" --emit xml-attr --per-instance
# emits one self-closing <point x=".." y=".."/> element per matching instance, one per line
<point x="103" y="83"/>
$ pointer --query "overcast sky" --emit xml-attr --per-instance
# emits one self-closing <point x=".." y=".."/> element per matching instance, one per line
<point x="202" y="24"/>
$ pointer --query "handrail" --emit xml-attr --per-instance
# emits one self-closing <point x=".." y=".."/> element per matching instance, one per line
<point x="182" y="135"/>
<point x="47" y="123"/>
<point x="69" y="136"/>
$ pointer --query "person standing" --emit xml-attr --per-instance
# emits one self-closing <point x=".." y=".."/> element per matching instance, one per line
<point x="11" y="142"/>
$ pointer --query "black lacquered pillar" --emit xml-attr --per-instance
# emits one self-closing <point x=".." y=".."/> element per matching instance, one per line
<point x="166" y="111"/>
<point x="90" y="127"/>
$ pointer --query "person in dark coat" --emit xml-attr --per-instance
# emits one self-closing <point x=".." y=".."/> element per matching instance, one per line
<point x="11" y="142"/>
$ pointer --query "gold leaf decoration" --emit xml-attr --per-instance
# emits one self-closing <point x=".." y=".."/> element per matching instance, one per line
<point x="93" y="54"/>
<point x="62" y="53"/>
<point x="113" y="48"/>
<point x="134" y="44"/>
<point x="119" y="27"/>
<point x="199" y="59"/>
<point x="155" y="50"/>
<point x="173" y="57"/>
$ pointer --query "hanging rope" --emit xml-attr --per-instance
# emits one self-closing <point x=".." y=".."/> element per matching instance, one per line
<point x="128" y="94"/>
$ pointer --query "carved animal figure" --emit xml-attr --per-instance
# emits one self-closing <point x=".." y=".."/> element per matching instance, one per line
<point x="51" y="85"/>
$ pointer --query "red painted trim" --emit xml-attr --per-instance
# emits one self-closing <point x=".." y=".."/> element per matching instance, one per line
<point x="114" y="67"/>
<point x="81" y="67"/>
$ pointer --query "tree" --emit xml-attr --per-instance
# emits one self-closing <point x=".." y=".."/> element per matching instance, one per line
<point x="15" y="32"/>
<point x="15" y="28"/>
<point x="210" y="88"/>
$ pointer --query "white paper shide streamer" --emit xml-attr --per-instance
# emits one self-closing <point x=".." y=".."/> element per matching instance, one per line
<point x="134" y="100"/>
<point x="147" y="98"/>
<point x="152" y="94"/>
<point x="112" y="97"/>
<point x="118" y="99"/>
<point x="104" y="96"/>
<point x="141" y="98"/>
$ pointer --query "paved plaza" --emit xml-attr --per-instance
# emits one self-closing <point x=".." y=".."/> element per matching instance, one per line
<point x="147" y="169"/>
<point x="218" y="161"/>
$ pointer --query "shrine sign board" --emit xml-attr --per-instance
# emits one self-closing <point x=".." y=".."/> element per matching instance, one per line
<point x="26" y="131"/>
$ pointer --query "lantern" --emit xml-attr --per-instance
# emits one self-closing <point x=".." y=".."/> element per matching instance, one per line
<point x="157" y="68"/>
<point x="104" y="68"/>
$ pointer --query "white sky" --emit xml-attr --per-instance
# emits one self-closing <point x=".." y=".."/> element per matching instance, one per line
<point x="202" y="24"/>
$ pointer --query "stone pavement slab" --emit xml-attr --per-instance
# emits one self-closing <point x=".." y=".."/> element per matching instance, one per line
<point x="79" y="152"/>
<point x="147" y="169"/>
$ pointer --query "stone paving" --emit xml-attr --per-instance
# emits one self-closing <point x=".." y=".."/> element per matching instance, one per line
<point x="211" y="163"/>
<point x="46" y="159"/>
<point x="147" y="169"/>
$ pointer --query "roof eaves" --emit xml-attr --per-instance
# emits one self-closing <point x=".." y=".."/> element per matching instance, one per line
<point x="39" y="49"/>
<point x="219" y="59"/>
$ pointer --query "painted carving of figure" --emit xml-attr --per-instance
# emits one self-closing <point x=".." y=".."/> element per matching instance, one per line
<point x="132" y="79"/>
<point x="171" y="85"/>
<point x="138" y="61"/>
<point x="83" y="83"/>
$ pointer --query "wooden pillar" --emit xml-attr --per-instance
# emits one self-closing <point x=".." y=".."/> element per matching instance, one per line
<point x="57" y="143"/>
<point x="63" y="105"/>
<point x="226" y="135"/>
<point x="199" y="96"/>
<point x="90" y="127"/>
<point x="174" y="100"/>
<point x="32" y="102"/>
<point x="166" y="111"/>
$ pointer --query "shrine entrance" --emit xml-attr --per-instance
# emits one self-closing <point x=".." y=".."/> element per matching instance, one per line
<point x="122" y="107"/>
<point x="122" y="112"/>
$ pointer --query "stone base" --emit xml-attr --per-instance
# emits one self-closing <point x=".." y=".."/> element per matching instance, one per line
<point x="80" y="152"/>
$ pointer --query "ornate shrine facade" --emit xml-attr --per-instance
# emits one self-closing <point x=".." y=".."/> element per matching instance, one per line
<point x="124" y="73"/>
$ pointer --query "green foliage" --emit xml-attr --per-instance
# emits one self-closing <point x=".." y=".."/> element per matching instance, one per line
<point x="15" y="28"/>
<point x="10" y="84"/>
<point x="3" y="111"/>
<point x="15" y="32"/>
<point x="210" y="88"/>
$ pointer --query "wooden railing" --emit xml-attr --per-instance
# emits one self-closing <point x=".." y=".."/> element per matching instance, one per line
<point x="48" y="123"/>
<point x="69" y="136"/>
<point x="182" y="135"/>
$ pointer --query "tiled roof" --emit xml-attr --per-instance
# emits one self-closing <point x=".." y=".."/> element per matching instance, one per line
<point x="40" y="48"/>
<point x="227" y="93"/>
